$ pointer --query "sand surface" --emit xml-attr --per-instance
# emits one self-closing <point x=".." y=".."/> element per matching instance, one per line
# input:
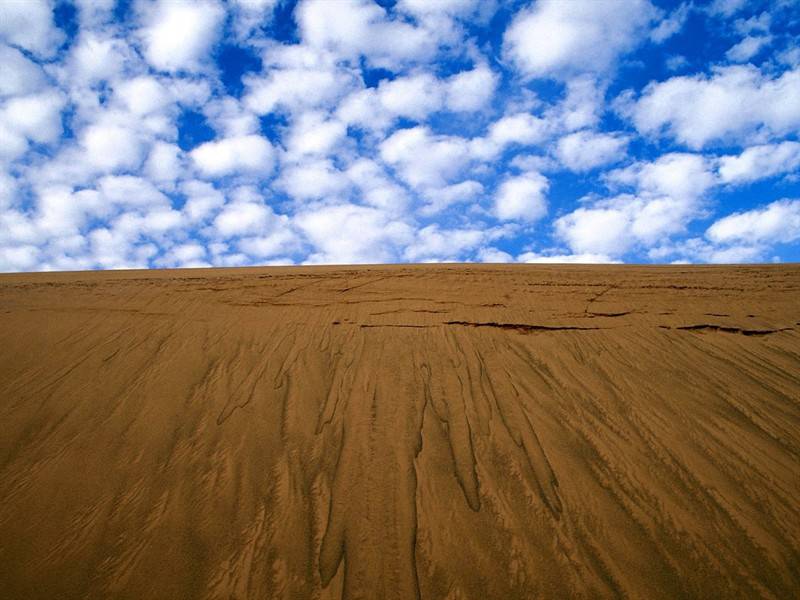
<point x="464" y="431"/>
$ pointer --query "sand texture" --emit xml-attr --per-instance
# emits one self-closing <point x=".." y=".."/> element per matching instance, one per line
<point x="461" y="431"/>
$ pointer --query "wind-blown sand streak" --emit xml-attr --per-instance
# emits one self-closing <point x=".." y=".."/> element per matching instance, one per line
<point x="463" y="431"/>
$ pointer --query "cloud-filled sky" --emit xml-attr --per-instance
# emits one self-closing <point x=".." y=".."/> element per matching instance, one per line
<point x="170" y="134"/>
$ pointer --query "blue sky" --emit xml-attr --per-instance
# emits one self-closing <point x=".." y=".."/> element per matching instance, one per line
<point x="177" y="134"/>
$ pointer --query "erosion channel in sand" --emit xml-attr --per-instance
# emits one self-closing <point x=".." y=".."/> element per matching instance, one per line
<point x="442" y="431"/>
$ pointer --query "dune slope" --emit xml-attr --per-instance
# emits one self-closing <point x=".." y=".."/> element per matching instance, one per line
<point x="464" y="431"/>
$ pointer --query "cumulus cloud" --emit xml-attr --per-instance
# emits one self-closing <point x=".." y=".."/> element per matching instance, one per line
<point x="314" y="179"/>
<point x="373" y="133"/>
<point x="111" y="147"/>
<point x="676" y="174"/>
<point x="671" y="24"/>
<point x="760" y="162"/>
<point x="417" y="96"/>
<point x="432" y="243"/>
<point x="353" y="28"/>
<point x="603" y="231"/>
<point x="669" y="194"/>
<point x="747" y="48"/>
<point x="97" y="56"/>
<point x="20" y="75"/>
<point x="178" y="35"/>
<point x="243" y="217"/>
<point x="376" y="187"/>
<point x="471" y="90"/>
<point x="348" y="233"/>
<point x="35" y="118"/>
<point x="30" y="25"/>
<point x="533" y="257"/>
<point x="296" y="78"/>
<point x="423" y="159"/>
<point x="249" y="15"/>
<point x="586" y="150"/>
<point x="164" y="163"/>
<point x="522" y="198"/>
<point x="727" y="105"/>
<point x="558" y="39"/>
<point x="777" y="222"/>
<point x="521" y="129"/>
<point x="143" y="95"/>
<point x="241" y="154"/>
<point x="313" y="133"/>
<point x="726" y="8"/>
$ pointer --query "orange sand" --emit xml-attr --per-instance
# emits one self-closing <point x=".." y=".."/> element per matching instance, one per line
<point x="464" y="431"/>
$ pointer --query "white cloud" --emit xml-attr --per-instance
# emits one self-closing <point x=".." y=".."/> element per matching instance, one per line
<point x="748" y="48"/>
<point x="313" y="134"/>
<point x="36" y="117"/>
<point x="730" y="104"/>
<point x="558" y="39"/>
<point x="241" y="218"/>
<point x="460" y="8"/>
<point x="676" y="174"/>
<point x="242" y="154"/>
<point x="363" y="108"/>
<point x="777" y="222"/>
<point x="522" y="198"/>
<point x="347" y="233"/>
<point x="229" y="117"/>
<point x="30" y="25"/>
<point x="142" y="95"/>
<point x="184" y="256"/>
<point x="376" y="188"/>
<point x="202" y="199"/>
<point x="18" y="258"/>
<point x="494" y="255"/>
<point x="164" y="162"/>
<point x="675" y="63"/>
<point x="314" y="179"/>
<point x="585" y="150"/>
<point x="249" y="15"/>
<point x="442" y="198"/>
<point x="522" y="129"/>
<point x="423" y="159"/>
<point x="757" y="23"/>
<point x="111" y="147"/>
<point x="670" y="193"/>
<point x="353" y="28"/>
<point x="582" y="105"/>
<point x="280" y="242"/>
<point x="470" y="91"/>
<point x="586" y="258"/>
<point x="94" y="13"/>
<point x="726" y="8"/>
<point x="671" y="24"/>
<point x="131" y="191"/>
<point x="96" y="57"/>
<point x="60" y="212"/>
<point x="414" y="97"/>
<point x="600" y="231"/>
<point x="178" y="35"/>
<point x="8" y="191"/>
<point x="20" y="75"/>
<point x="434" y="243"/>
<point x="417" y="96"/>
<point x="760" y="162"/>
<point x="296" y="78"/>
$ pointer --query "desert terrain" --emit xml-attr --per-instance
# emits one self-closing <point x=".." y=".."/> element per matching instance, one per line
<point x="428" y="431"/>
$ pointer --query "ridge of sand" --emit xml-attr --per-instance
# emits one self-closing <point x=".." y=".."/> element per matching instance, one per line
<point x="438" y="431"/>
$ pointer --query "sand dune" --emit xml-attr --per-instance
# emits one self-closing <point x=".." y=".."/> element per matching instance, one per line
<point x="456" y="432"/>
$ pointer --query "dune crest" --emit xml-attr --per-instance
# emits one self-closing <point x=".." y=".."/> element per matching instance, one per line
<point x="442" y="431"/>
